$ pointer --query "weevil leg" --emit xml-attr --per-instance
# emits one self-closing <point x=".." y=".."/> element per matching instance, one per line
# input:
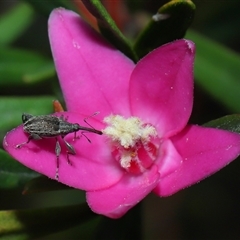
<point x="57" y="151"/>
<point x="35" y="136"/>
<point x="83" y="134"/>
<point x="21" y="144"/>
<point x="75" y="136"/>
<point x="31" y="137"/>
<point x="70" y="150"/>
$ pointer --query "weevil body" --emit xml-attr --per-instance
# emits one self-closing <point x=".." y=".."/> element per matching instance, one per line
<point x="47" y="126"/>
<point x="50" y="126"/>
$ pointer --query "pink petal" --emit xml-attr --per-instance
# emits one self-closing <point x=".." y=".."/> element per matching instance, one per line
<point x="115" y="201"/>
<point x="204" y="152"/>
<point x="93" y="75"/>
<point x="169" y="159"/>
<point x="161" y="87"/>
<point x="92" y="167"/>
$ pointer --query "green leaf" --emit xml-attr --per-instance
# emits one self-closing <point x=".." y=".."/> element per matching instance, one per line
<point x="11" y="109"/>
<point x="43" y="72"/>
<point x="170" y="23"/>
<point x="14" y="22"/>
<point x="43" y="184"/>
<point x="12" y="173"/>
<point x="108" y="28"/>
<point x="217" y="70"/>
<point x="86" y="230"/>
<point x="230" y="123"/>
<point x="45" y="7"/>
<point x="18" y="67"/>
<point x="32" y="224"/>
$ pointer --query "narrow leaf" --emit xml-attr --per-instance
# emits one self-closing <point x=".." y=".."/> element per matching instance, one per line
<point x="45" y="71"/>
<point x="32" y="224"/>
<point x="45" y="7"/>
<point x="108" y="28"/>
<point x="43" y="184"/>
<point x="170" y="23"/>
<point x="230" y="123"/>
<point x="12" y="108"/>
<point x="217" y="70"/>
<point x="12" y="173"/>
<point x="14" y="22"/>
<point x="18" y="67"/>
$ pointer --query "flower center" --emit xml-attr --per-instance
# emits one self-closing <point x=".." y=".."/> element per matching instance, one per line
<point x="134" y="143"/>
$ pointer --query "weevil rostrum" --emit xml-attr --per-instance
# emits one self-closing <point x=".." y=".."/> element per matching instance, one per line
<point x="50" y="126"/>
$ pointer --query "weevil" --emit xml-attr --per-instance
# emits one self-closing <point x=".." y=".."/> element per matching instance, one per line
<point x="50" y="126"/>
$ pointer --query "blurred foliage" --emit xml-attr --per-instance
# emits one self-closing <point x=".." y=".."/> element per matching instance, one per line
<point x="28" y="83"/>
<point x="217" y="70"/>
<point x="24" y="224"/>
<point x="14" y="23"/>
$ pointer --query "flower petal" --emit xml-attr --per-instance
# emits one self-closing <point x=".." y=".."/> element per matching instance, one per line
<point x="92" y="167"/>
<point x="161" y="87"/>
<point x="115" y="201"/>
<point x="204" y="152"/>
<point x="169" y="159"/>
<point x="93" y="75"/>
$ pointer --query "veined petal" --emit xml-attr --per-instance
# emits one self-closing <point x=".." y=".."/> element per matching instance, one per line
<point x="93" y="75"/>
<point x="115" y="201"/>
<point x="161" y="87"/>
<point x="91" y="168"/>
<point x="204" y="152"/>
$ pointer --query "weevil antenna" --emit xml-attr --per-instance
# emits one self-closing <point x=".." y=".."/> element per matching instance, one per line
<point x="91" y="116"/>
<point x="83" y="133"/>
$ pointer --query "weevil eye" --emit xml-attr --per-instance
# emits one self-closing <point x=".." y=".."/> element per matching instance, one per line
<point x="26" y="117"/>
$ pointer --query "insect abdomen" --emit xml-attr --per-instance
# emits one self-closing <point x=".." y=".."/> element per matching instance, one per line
<point x="43" y="126"/>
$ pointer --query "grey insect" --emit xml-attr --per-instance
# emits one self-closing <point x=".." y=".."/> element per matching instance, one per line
<point x="50" y="126"/>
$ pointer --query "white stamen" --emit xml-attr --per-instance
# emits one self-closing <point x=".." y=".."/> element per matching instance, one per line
<point x="128" y="131"/>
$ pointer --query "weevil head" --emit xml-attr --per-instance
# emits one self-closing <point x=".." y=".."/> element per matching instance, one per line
<point x="26" y="117"/>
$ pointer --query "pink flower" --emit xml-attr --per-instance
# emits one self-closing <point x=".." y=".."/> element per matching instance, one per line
<point x="144" y="109"/>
